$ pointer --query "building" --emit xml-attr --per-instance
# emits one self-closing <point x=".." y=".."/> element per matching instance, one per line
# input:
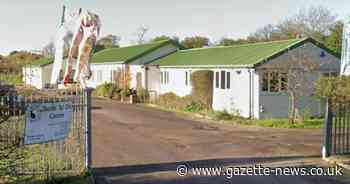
<point x="247" y="78"/>
<point x="107" y="64"/>
<point x="38" y="73"/>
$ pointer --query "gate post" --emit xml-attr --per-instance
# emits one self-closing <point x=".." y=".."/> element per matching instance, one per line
<point x="88" y="136"/>
<point x="327" y="136"/>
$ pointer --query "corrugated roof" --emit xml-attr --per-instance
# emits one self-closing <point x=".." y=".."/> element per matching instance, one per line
<point x="126" y="54"/>
<point x="245" y="54"/>
<point x="41" y="62"/>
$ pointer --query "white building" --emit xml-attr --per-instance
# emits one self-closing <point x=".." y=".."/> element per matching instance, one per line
<point x="38" y="73"/>
<point x="107" y="63"/>
<point x="243" y="78"/>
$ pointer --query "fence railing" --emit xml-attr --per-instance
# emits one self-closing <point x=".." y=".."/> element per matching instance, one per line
<point x="337" y="129"/>
<point x="52" y="159"/>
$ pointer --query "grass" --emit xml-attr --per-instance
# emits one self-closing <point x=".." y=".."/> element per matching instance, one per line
<point x="225" y="117"/>
<point x="12" y="79"/>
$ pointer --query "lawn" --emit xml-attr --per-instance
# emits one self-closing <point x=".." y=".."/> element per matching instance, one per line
<point x="13" y="79"/>
<point x="224" y="117"/>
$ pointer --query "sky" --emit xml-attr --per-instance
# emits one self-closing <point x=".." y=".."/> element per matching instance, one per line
<point x="31" y="24"/>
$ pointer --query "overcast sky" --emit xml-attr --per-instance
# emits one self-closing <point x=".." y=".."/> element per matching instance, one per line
<point x="30" y="24"/>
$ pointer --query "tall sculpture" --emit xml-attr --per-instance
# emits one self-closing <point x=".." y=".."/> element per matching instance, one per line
<point x="345" y="59"/>
<point x="75" y="42"/>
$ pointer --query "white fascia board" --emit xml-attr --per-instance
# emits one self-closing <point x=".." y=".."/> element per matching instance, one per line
<point x="107" y="63"/>
<point x="208" y="66"/>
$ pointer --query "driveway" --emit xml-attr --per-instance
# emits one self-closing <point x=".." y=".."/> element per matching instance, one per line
<point x="137" y="144"/>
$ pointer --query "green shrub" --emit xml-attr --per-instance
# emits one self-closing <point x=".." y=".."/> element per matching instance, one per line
<point x="223" y="115"/>
<point x="125" y="92"/>
<point x="336" y="89"/>
<point x="142" y="95"/>
<point x="202" y="87"/>
<point x="11" y="79"/>
<point x="106" y="90"/>
<point x="186" y="103"/>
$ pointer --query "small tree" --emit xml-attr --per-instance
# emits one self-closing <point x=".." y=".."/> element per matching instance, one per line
<point x="141" y="33"/>
<point x="202" y="87"/>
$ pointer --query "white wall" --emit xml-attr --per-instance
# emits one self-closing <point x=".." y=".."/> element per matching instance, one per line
<point x="103" y="73"/>
<point x="46" y="74"/>
<point x="177" y="82"/>
<point x="32" y="76"/>
<point x="139" y="65"/>
<point x="134" y="69"/>
<point x="242" y="97"/>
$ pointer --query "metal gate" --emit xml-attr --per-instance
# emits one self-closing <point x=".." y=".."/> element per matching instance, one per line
<point x="52" y="159"/>
<point x="337" y="130"/>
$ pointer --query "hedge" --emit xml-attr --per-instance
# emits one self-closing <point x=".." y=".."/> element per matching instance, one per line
<point x="202" y="87"/>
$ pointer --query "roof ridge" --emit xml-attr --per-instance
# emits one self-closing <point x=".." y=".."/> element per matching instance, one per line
<point x="243" y="45"/>
<point x="136" y="45"/>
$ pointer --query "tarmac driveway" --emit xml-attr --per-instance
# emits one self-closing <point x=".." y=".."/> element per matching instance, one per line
<point x="137" y="144"/>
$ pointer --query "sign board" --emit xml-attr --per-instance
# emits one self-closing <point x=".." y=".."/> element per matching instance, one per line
<point x="47" y="122"/>
<point x="345" y="60"/>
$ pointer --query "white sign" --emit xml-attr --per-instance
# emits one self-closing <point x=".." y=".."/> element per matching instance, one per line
<point x="345" y="60"/>
<point x="47" y="122"/>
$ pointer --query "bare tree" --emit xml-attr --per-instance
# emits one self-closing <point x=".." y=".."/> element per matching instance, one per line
<point x="140" y="34"/>
<point x="49" y="49"/>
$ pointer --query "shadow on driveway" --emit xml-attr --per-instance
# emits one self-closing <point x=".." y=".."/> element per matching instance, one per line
<point x="165" y="173"/>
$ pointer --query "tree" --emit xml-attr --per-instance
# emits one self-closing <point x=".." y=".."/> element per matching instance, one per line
<point x="230" y="42"/>
<point x="195" y="42"/>
<point x="315" y="22"/>
<point x="49" y="50"/>
<point x="141" y="33"/>
<point x="161" y="38"/>
<point x="109" y="41"/>
<point x="335" y="38"/>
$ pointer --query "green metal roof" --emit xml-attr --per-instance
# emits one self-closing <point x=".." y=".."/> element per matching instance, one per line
<point x="242" y="55"/>
<point x="126" y="54"/>
<point x="41" y="62"/>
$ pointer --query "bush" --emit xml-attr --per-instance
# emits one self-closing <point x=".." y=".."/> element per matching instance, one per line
<point x="106" y="90"/>
<point x="142" y="95"/>
<point x="186" y="103"/>
<point x="202" y="87"/>
<point x="336" y="89"/>
<point x="223" y="115"/>
<point x="125" y="92"/>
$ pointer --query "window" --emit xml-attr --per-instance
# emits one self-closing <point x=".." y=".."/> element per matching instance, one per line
<point x="217" y="80"/>
<point x="186" y="78"/>
<point x="223" y="79"/>
<point x="265" y="81"/>
<point x="228" y="80"/>
<point x="274" y="82"/>
<point x="164" y="77"/>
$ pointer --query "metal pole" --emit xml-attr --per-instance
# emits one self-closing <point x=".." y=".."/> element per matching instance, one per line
<point x="327" y="140"/>
<point x="88" y="143"/>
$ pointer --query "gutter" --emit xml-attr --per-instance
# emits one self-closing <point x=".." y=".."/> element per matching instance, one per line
<point x="208" y="66"/>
